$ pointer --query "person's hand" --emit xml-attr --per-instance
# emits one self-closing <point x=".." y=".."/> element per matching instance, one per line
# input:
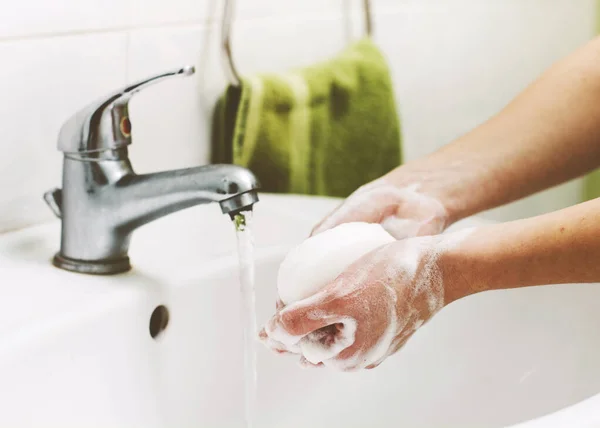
<point x="402" y="211"/>
<point x="369" y="311"/>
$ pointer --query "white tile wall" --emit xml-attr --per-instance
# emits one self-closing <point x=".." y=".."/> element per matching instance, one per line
<point x="161" y="12"/>
<point x="43" y="18"/>
<point x="461" y="61"/>
<point x="42" y="82"/>
<point x="454" y="63"/>
<point x="170" y="125"/>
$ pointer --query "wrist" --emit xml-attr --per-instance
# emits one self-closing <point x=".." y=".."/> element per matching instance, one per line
<point x="488" y="258"/>
<point x="555" y="248"/>
<point x="460" y="264"/>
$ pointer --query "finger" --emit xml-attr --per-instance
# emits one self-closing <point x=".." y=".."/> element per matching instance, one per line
<point x="297" y="320"/>
<point x="399" y="343"/>
<point x="370" y="203"/>
<point x="348" y="360"/>
<point x="328" y="342"/>
<point x="401" y="228"/>
<point x="362" y="353"/>
<point x="275" y="346"/>
<point x="305" y="364"/>
<point x="262" y="334"/>
<point x="349" y="212"/>
<point x="354" y="208"/>
<point x="327" y="223"/>
<point x="341" y="365"/>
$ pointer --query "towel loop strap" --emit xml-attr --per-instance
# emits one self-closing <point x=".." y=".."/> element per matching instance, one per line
<point x="230" y="69"/>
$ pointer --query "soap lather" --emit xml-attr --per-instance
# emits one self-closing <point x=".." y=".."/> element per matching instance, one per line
<point x="316" y="263"/>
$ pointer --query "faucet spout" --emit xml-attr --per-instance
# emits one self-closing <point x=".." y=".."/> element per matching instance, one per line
<point x="103" y="202"/>
<point x="141" y="199"/>
<point x="239" y="203"/>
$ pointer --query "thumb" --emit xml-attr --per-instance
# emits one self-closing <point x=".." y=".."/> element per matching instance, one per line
<point x="401" y="228"/>
<point x="327" y="223"/>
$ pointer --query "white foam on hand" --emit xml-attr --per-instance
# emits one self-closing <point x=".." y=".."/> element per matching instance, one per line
<point x="404" y="212"/>
<point x="357" y="313"/>
<point x="316" y="262"/>
<point x="326" y="343"/>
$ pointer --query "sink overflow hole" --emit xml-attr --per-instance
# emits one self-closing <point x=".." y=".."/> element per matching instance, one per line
<point x="159" y="320"/>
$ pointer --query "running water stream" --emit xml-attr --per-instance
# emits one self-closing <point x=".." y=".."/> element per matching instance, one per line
<point x="245" y="244"/>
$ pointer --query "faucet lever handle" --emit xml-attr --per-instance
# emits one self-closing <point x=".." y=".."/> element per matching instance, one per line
<point x="104" y="124"/>
<point x="54" y="200"/>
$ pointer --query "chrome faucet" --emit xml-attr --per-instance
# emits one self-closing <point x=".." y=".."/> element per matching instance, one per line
<point x="103" y="200"/>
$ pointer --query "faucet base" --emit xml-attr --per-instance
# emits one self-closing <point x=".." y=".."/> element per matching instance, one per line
<point x="108" y="267"/>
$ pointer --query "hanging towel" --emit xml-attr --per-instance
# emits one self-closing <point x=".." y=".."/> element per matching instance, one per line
<point x="591" y="183"/>
<point x="591" y="186"/>
<point x="322" y="130"/>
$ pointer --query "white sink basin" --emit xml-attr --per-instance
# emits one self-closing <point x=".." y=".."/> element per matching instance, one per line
<point x="75" y="350"/>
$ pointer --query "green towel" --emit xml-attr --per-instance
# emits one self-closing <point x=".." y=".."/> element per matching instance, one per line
<point x="591" y="183"/>
<point x="321" y="130"/>
<point x="591" y="186"/>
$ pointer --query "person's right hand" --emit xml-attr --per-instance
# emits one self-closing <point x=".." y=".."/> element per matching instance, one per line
<point x="372" y="309"/>
<point x="403" y="212"/>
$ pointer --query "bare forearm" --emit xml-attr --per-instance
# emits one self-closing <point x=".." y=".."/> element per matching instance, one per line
<point x="547" y="135"/>
<point x="557" y="248"/>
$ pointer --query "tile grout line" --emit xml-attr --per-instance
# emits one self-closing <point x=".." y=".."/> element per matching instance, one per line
<point x="167" y="25"/>
<point x="51" y="35"/>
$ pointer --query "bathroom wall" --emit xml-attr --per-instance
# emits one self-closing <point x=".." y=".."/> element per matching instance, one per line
<point x="455" y="63"/>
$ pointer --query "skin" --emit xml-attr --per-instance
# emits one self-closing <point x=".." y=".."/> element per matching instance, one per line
<point x="398" y="295"/>
<point x="549" y="134"/>
<point x="562" y="247"/>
